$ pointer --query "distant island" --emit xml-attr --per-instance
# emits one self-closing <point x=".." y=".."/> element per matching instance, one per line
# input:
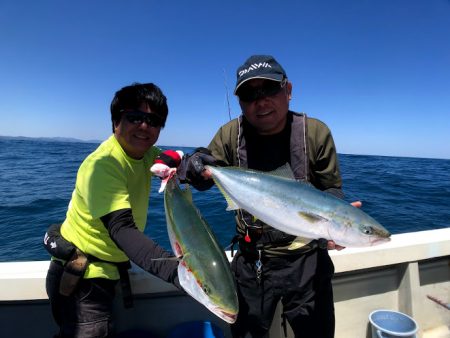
<point x="49" y="139"/>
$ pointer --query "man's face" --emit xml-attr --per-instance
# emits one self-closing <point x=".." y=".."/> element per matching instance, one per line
<point x="136" y="132"/>
<point x="266" y="113"/>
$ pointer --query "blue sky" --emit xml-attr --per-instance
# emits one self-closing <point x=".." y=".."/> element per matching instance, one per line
<point x="377" y="72"/>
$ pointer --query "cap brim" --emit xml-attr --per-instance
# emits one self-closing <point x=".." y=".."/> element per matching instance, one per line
<point x="272" y="77"/>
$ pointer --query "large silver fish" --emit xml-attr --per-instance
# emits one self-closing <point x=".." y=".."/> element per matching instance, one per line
<point x="204" y="271"/>
<point x="297" y="208"/>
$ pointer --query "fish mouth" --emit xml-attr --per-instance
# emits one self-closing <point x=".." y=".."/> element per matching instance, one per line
<point x="379" y="240"/>
<point x="226" y="316"/>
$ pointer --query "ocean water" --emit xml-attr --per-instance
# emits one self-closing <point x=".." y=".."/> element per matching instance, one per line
<point x="37" y="178"/>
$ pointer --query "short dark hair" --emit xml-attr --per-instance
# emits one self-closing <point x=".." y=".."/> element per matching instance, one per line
<point x="131" y="97"/>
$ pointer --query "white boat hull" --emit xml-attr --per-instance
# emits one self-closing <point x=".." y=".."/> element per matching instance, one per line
<point x="398" y="275"/>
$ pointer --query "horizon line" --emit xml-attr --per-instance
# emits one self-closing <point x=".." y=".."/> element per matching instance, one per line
<point x="74" y="140"/>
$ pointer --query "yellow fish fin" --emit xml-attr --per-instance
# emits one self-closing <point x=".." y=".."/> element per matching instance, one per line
<point x="232" y="205"/>
<point x="310" y="217"/>
<point x="299" y="242"/>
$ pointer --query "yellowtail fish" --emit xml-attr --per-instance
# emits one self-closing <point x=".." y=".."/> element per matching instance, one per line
<point x="297" y="208"/>
<point x="204" y="271"/>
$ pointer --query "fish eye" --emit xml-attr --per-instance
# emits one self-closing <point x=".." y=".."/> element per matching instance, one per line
<point x="367" y="230"/>
<point x="206" y="289"/>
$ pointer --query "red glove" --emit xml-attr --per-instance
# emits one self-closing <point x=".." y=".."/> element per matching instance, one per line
<point x="165" y="166"/>
<point x="170" y="158"/>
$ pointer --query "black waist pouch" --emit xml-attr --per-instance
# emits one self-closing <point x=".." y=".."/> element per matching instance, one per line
<point x="76" y="261"/>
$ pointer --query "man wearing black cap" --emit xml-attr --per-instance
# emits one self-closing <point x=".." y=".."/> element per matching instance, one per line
<point x="271" y="265"/>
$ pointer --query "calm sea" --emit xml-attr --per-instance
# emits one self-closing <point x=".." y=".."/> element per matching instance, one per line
<point x="37" y="178"/>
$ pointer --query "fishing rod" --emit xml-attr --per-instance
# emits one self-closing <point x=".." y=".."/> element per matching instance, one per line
<point x="226" y="89"/>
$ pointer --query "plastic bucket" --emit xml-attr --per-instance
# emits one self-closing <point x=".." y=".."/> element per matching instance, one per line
<point x="389" y="324"/>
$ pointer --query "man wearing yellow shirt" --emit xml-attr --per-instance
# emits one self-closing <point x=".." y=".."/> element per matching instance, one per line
<point x="107" y="215"/>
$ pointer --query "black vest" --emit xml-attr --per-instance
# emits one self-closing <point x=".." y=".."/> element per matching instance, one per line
<point x="254" y="232"/>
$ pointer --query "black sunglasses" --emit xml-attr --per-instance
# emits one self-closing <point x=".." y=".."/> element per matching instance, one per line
<point x="137" y="117"/>
<point x="268" y="88"/>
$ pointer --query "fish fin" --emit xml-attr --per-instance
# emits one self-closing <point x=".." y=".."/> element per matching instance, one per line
<point x="284" y="171"/>
<point x="163" y="185"/>
<point x="313" y="218"/>
<point x="299" y="242"/>
<point x="232" y="205"/>
<point x="164" y="172"/>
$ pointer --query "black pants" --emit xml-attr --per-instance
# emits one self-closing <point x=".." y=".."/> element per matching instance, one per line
<point x="87" y="312"/>
<point x="302" y="283"/>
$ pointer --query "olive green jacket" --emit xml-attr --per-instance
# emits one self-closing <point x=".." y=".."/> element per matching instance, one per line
<point x="324" y="170"/>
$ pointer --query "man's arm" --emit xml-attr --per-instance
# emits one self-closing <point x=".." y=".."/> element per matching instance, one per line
<point x="324" y="167"/>
<point x="138" y="247"/>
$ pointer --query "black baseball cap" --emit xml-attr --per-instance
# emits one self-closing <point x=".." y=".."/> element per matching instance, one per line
<point x="259" y="67"/>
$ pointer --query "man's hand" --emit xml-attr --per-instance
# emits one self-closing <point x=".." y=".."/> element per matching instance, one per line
<point x="165" y="166"/>
<point x="331" y="245"/>
<point x="357" y="204"/>
<point x="192" y="169"/>
<point x="171" y="158"/>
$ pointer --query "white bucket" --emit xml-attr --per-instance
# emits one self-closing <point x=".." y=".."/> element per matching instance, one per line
<point x="390" y="324"/>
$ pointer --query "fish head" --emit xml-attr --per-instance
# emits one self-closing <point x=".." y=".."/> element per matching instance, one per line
<point x="373" y="234"/>
<point x="371" y="229"/>
<point x="355" y="228"/>
<point x="217" y="295"/>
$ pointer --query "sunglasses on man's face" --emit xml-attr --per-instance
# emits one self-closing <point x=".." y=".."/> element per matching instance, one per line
<point x="267" y="89"/>
<point x="138" y="117"/>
